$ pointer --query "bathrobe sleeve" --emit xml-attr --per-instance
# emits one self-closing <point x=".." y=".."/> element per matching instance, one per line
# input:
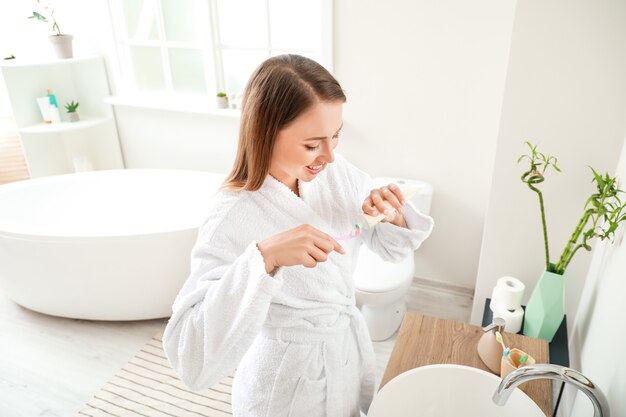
<point x="220" y="309"/>
<point x="392" y="243"/>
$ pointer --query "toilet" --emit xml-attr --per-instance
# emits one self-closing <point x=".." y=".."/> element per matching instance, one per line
<point x="381" y="286"/>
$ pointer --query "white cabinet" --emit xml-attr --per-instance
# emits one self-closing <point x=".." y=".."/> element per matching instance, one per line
<point x="52" y="149"/>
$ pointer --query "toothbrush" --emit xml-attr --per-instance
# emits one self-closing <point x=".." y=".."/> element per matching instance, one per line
<point x="500" y="340"/>
<point x="366" y="221"/>
<point x="506" y="352"/>
<point x="353" y="233"/>
<point x="522" y="360"/>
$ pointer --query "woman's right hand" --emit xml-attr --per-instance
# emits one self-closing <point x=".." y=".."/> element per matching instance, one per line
<point x="303" y="245"/>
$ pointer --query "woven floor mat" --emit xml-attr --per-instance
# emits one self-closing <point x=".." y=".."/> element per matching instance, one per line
<point x="147" y="386"/>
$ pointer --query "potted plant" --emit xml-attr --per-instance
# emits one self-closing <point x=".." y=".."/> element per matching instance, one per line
<point x="62" y="43"/>
<point x="603" y="213"/>
<point x="71" y="107"/>
<point x="222" y="100"/>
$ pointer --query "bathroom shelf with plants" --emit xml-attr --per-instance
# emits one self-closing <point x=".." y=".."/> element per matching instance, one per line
<point x="62" y="148"/>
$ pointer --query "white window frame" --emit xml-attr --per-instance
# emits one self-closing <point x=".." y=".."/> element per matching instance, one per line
<point x="211" y="50"/>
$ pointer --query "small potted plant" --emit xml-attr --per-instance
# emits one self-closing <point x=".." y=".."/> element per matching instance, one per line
<point x="72" y="115"/>
<point x="603" y="213"/>
<point x="222" y="100"/>
<point x="62" y="43"/>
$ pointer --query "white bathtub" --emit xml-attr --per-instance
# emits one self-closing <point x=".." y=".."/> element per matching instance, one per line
<point x="101" y="245"/>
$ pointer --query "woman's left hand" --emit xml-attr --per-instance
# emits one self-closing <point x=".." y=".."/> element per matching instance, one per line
<point x="387" y="200"/>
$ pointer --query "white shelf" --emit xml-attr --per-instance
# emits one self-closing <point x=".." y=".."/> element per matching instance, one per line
<point x="85" y="122"/>
<point x="187" y="104"/>
<point x="12" y="63"/>
<point x="63" y="148"/>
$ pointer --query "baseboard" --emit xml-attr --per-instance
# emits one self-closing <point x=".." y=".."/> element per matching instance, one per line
<point x="443" y="286"/>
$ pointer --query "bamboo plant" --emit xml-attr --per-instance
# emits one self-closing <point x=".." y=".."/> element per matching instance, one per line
<point x="604" y="210"/>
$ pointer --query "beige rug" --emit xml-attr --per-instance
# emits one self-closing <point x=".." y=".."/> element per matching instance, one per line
<point x="147" y="386"/>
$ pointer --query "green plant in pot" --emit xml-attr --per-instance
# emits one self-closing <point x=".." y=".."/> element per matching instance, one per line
<point x="603" y="213"/>
<point x="72" y="115"/>
<point x="62" y="43"/>
<point x="222" y="100"/>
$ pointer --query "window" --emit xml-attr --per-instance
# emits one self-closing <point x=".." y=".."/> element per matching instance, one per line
<point x="206" y="46"/>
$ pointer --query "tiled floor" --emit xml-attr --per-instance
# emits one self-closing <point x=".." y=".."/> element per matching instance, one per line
<point x="51" y="366"/>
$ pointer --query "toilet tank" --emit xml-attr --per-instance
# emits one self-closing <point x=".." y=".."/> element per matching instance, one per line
<point x="422" y="198"/>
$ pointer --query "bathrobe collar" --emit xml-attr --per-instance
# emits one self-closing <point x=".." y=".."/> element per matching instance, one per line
<point x="294" y="206"/>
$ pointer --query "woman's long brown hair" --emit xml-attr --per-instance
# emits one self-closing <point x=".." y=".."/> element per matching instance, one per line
<point x="279" y="90"/>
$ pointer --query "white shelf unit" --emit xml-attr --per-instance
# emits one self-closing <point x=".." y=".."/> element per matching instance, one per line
<point x="50" y="149"/>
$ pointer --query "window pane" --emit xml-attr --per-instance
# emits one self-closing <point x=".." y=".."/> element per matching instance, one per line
<point x="148" y="68"/>
<point x="242" y="23"/>
<point x="296" y="24"/>
<point x="140" y="16"/>
<point x="185" y="20"/>
<point x="238" y="66"/>
<point x="187" y="70"/>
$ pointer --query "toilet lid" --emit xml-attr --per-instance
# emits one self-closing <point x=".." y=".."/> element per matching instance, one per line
<point x="372" y="274"/>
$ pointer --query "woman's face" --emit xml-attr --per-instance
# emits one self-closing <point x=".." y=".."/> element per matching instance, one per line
<point x="305" y="146"/>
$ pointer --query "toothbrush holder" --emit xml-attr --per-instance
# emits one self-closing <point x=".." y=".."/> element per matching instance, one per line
<point x="515" y="355"/>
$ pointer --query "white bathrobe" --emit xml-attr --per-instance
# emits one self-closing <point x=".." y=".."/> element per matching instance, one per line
<point x="300" y="345"/>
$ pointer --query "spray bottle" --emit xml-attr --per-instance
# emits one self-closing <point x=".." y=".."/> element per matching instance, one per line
<point x="55" y="117"/>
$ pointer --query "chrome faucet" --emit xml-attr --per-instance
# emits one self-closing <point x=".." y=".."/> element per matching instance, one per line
<point x="549" y="371"/>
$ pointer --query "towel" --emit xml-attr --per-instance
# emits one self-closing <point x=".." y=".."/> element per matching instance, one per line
<point x="300" y="345"/>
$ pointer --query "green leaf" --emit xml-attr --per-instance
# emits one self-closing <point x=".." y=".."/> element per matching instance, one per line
<point x="39" y="17"/>
<point x="595" y="174"/>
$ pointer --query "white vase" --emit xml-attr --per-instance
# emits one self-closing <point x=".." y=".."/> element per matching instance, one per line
<point x="73" y="117"/>
<point x="222" y="102"/>
<point x="62" y="45"/>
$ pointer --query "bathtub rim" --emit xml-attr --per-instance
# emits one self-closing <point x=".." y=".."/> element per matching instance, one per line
<point x="9" y="187"/>
<point x="93" y="238"/>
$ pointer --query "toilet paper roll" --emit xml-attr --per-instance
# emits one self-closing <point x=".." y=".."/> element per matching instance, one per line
<point x="508" y="294"/>
<point x="493" y="305"/>
<point x="512" y="318"/>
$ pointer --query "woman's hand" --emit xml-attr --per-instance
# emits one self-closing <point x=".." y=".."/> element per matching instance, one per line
<point x="304" y="245"/>
<point x="387" y="200"/>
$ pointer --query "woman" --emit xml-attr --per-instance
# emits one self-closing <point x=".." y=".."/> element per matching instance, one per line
<point x="271" y="292"/>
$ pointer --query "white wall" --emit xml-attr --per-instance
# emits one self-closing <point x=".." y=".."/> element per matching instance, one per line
<point x="5" y="104"/>
<point x="598" y="336"/>
<point x="178" y="140"/>
<point x="566" y="89"/>
<point x="425" y="82"/>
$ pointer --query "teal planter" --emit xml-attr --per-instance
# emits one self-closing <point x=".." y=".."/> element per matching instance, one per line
<point x="546" y="307"/>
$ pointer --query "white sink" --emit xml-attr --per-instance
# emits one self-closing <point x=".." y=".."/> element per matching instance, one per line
<point x="448" y="391"/>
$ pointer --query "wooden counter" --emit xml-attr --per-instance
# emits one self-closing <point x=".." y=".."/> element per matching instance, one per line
<point x="424" y="340"/>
